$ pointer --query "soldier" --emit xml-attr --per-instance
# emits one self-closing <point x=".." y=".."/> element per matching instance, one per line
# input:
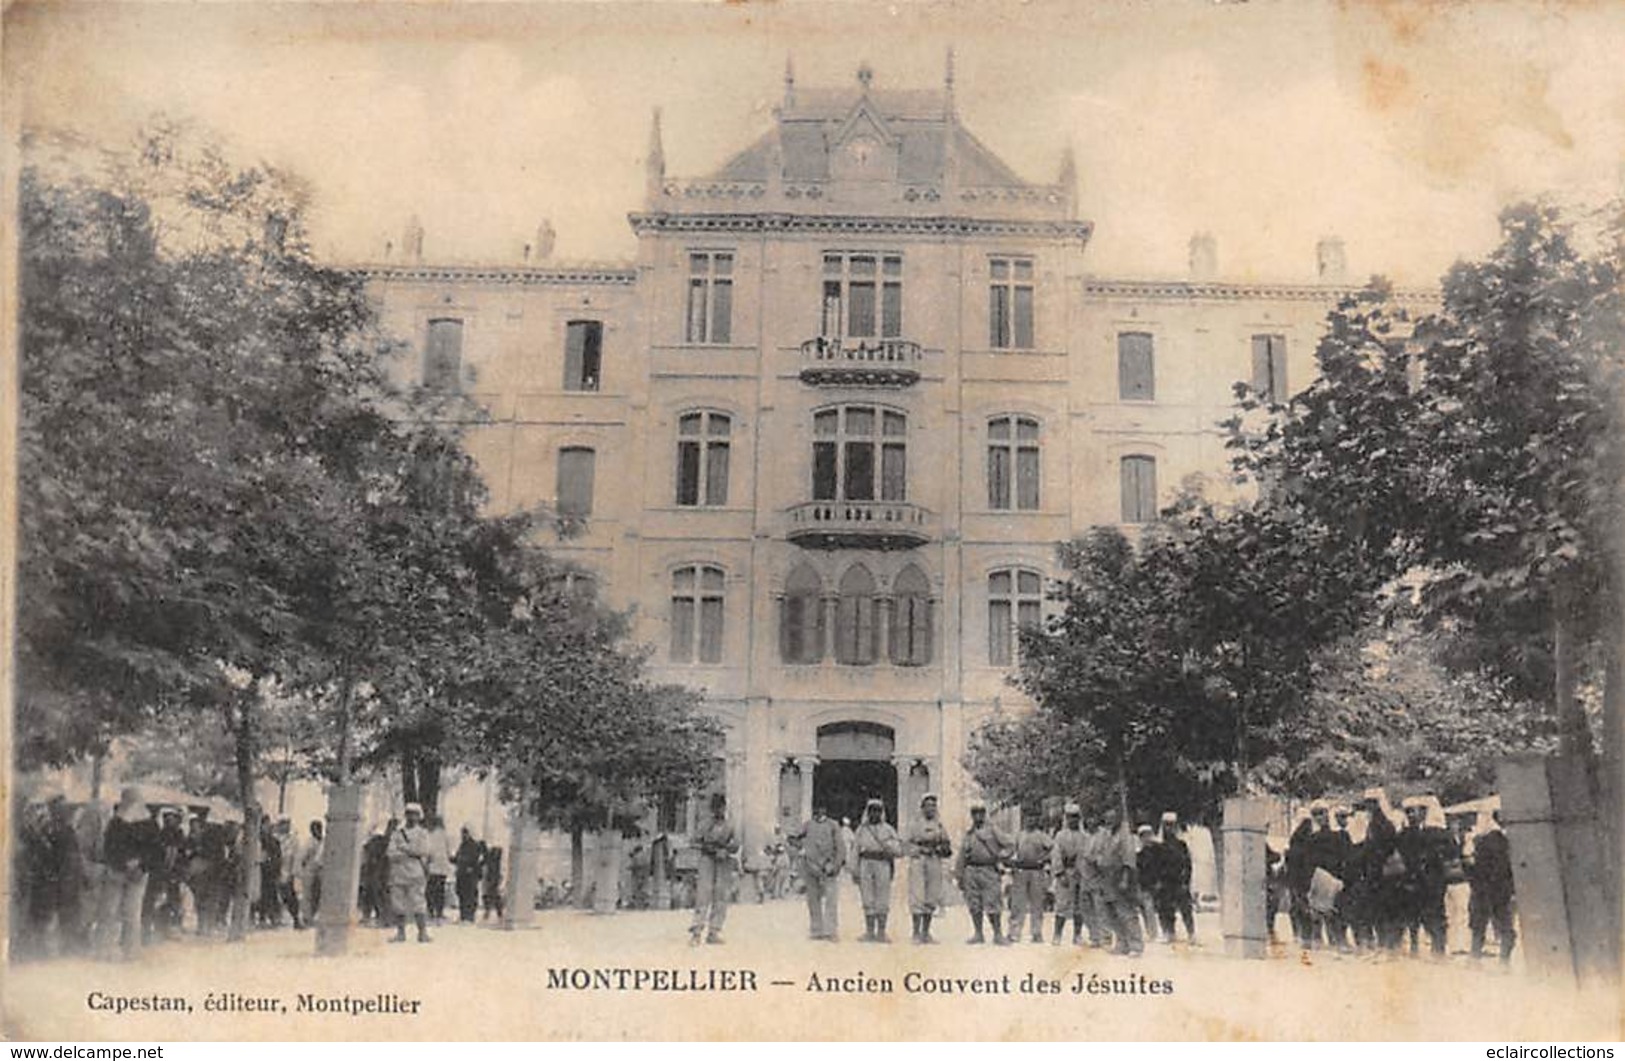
<point x="467" y="865"/>
<point x="823" y="853"/>
<point x="1031" y="877"/>
<point x="1490" y="875"/>
<point x="928" y="845"/>
<point x="713" y="882"/>
<point x="1066" y="858"/>
<point x="981" y="856"/>
<point x="131" y="851"/>
<point x="409" y="875"/>
<point x="1149" y="871"/>
<point x="878" y="848"/>
<point x="311" y="854"/>
<point x="1113" y="857"/>
<point x="1426" y="847"/>
<point x="1173" y="890"/>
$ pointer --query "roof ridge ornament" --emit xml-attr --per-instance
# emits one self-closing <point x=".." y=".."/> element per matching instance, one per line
<point x="948" y="86"/>
<point x="866" y="74"/>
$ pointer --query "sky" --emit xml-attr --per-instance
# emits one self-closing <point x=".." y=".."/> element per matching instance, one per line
<point x="1401" y="128"/>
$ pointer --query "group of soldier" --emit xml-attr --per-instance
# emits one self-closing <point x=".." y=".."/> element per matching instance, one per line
<point x="1103" y="879"/>
<point x="107" y="883"/>
<point x="1389" y="886"/>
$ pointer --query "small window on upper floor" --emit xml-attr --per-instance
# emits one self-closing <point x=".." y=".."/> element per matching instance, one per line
<point x="710" y="297"/>
<point x="1269" y="367"/>
<point x="583" y="355"/>
<point x="1136" y="371"/>
<point x="1010" y="304"/>
<point x="443" y="355"/>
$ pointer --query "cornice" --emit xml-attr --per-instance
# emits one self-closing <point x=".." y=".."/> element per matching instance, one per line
<point x="1221" y="291"/>
<point x="611" y="273"/>
<point x="862" y="224"/>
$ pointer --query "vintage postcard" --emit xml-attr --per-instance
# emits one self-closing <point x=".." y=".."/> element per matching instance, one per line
<point x="747" y="521"/>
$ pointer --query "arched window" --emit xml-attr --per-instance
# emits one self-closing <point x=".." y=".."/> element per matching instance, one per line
<point x="855" y="630"/>
<point x="850" y="445"/>
<point x="911" y="619"/>
<point x="1015" y="601"/>
<point x="696" y="614"/>
<point x="801" y="619"/>
<point x="1012" y="462"/>
<point x="702" y="458"/>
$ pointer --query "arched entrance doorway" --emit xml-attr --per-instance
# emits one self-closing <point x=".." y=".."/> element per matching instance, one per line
<point x="855" y="766"/>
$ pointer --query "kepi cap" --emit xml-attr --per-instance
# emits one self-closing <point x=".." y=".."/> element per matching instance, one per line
<point x="1072" y="808"/>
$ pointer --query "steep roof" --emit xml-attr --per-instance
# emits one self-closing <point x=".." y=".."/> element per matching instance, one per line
<point x="920" y="122"/>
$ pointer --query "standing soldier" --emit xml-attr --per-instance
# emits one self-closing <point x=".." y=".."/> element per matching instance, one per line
<point x="1113" y="856"/>
<point x="1149" y="870"/>
<point x="981" y="856"/>
<point x="713" y="880"/>
<point x="1066" y="858"/>
<point x="1427" y="848"/>
<point x="1490" y="875"/>
<point x="823" y="853"/>
<point x="928" y="845"/>
<point x="1172" y="890"/>
<point x="409" y="875"/>
<point x="878" y="848"/>
<point x="1031" y="883"/>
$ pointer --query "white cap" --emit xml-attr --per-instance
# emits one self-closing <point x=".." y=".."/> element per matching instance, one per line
<point x="977" y="804"/>
<point x="1072" y="808"/>
<point x="410" y="807"/>
<point x="1169" y="816"/>
<point x="929" y="797"/>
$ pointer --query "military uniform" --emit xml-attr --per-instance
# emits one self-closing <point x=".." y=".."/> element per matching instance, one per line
<point x="878" y="847"/>
<point x="928" y="845"/>
<point x="981" y="855"/>
<point x="1030" y="866"/>
<point x="1490" y="875"/>
<point x="823" y="853"/>
<point x="713" y="882"/>
<point x="1072" y="899"/>
<point x="1113" y="858"/>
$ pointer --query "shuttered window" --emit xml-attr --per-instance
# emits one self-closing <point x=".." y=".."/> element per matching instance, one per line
<point x="443" y="356"/>
<point x="583" y="355"/>
<point x="801" y="622"/>
<point x="575" y="481"/>
<point x="911" y="619"/>
<point x="1139" y="481"/>
<point x="1269" y="367"/>
<point x="855" y="630"/>
<point x="1136" y="373"/>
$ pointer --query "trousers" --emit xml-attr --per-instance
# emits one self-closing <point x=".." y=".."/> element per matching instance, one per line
<point x="823" y="904"/>
<point x="713" y="882"/>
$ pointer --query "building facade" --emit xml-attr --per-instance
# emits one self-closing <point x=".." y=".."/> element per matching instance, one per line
<point x="824" y="433"/>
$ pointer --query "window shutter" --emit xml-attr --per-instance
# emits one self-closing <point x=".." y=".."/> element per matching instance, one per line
<point x="1261" y="366"/>
<point x="1027" y="478"/>
<point x="998" y="476"/>
<point x="688" y="473"/>
<point x="1135" y="371"/>
<point x="682" y="629"/>
<point x="716" y="473"/>
<point x="998" y="632"/>
<point x="722" y="310"/>
<point x="575" y="482"/>
<point x="1024" y="318"/>
<point x="711" y="630"/>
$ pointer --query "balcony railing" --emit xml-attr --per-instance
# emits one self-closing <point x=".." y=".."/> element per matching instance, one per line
<point x="859" y="525"/>
<point x="835" y="362"/>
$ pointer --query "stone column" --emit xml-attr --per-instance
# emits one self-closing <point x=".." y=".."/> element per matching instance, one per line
<point x="1568" y="922"/>
<point x="883" y="608"/>
<point x="830" y="605"/>
<point x="805" y="764"/>
<point x="524" y="848"/>
<point x="904" y="765"/>
<point x="341" y="869"/>
<point x="1242" y="901"/>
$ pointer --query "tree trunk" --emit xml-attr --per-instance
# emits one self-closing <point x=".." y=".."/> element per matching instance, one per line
<point x="578" y="868"/>
<point x="97" y="762"/>
<point x="409" y="777"/>
<point x="429" y="784"/>
<point x="244" y="739"/>
<point x="1574" y="731"/>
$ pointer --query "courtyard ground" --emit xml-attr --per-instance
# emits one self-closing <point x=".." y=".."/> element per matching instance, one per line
<point x="479" y="982"/>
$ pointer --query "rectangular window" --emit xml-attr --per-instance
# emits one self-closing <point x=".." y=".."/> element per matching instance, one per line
<point x="702" y="458"/>
<point x="1136" y="378"/>
<point x="1139" y="478"/>
<point x="710" y="297"/>
<point x="863" y="296"/>
<point x="583" y="355"/>
<point x="575" y="481"/>
<point x="860" y="471"/>
<point x="1010" y="304"/>
<point x="443" y="356"/>
<point x="1269" y="367"/>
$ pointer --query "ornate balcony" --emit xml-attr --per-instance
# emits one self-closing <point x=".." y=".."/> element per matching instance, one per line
<point x="833" y="362"/>
<point x="859" y="525"/>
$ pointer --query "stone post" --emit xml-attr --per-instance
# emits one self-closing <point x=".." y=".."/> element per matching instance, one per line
<point x="524" y="846"/>
<point x="1568" y="922"/>
<point x="341" y="869"/>
<point x="659" y="851"/>
<point x="1242" y="899"/>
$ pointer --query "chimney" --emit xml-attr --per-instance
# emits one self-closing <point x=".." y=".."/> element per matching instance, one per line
<point x="412" y="240"/>
<point x="542" y="249"/>
<point x="1204" y="256"/>
<point x="1331" y="263"/>
<point x="654" y="163"/>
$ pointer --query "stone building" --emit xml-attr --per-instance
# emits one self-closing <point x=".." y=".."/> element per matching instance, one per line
<point x="824" y="433"/>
